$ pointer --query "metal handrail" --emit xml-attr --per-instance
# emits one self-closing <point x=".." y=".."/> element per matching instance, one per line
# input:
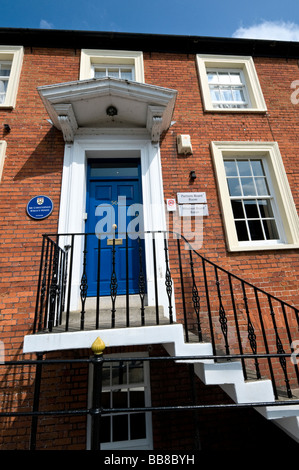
<point x="213" y="303"/>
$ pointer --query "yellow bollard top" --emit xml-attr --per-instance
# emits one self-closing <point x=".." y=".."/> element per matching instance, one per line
<point x="98" y="346"/>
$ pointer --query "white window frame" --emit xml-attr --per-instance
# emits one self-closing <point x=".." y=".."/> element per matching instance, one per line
<point x="4" y="77"/>
<point x="91" y="57"/>
<point x="244" y="64"/>
<point x="3" y="145"/>
<point x="14" y="55"/>
<point x="284" y="207"/>
<point x="137" y="444"/>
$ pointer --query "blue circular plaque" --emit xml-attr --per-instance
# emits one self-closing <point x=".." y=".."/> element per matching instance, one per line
<point x="39" y="207"/>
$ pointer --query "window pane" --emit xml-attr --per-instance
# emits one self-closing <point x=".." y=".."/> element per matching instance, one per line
<point x="106" y="376"/>
<point x="248" y="187"/>
<point x="100" y="73"/>
<point x="102" y="169"/>
<point x="212" y="77"/>
<point x="105" y="429"/>
<point x="238" y="209"/>
<point x="244" y="168"/>
<point x="126" y="74"/>
<point x="270" y="229"/>
<point x="230" y="168"/>
<point x="265" y="208"/>
<point x="215" y="94"/>
<point x="234" y="187"/>
<point x="5" y="70"/>
<point x="235" y="78"/>
<point x="106" y="399"/>
<point x="227" y="95"/>
<point x="261" y="186"/>
<point x="224" y="78"/>
<point x="137" y="398"/>
<point x="251" y="209"/>
<point x="3" y="86"/>
<point x="118" y="373"/>
<point x="114" y="73"/>
<point x="257" y="168"/>
<point x="136" y="372"/>
<point x="242" y="231"/>
<point x="138" y="428"/>
<point x="238" y="95"/>
<point x="255" y="229"/>
<point x="120" y="399"/>
<point x="120" y="428"/>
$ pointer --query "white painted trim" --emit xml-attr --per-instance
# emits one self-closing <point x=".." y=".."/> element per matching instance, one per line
<point x="14" y="54"/>
<point x="288" y="216"/>
<point x="244" y="63"/>
<point x="73" y="201"/>
<point x="3" y="145"/>
<point x="89" y="57"/>
<point x="171" y="336"/>
<point x="70" y="105"/>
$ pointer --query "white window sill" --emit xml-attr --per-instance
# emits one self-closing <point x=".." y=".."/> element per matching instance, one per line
<point x="263" y="247"/>
<point x="235" y="110"/>
<point x="6" y="106"/>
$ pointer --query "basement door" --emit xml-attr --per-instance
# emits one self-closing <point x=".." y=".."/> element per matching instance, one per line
<point x="114" y="210"/>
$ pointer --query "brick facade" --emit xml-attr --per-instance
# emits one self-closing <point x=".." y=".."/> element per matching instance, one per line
<point x="33" y="164"/>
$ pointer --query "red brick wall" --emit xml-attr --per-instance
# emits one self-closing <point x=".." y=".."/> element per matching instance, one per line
<point x="33" y="166"/>
<point x="35" y="154"/>
<point x="280" y="269"/>
<point x="34" y="161"/>
<point x="276" y="272"/>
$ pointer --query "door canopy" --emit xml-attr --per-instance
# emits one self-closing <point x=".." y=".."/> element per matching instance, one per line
<point x="76" y="107"/>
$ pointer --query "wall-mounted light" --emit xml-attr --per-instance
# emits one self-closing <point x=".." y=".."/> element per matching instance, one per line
<point x="111" y="111"/>
<point x="6" y="128"/>
<point x="192" y="175"/>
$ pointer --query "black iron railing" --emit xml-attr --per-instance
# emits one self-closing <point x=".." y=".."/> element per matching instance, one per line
<point x="214" y="304"/>
<point x="37" y="408"/>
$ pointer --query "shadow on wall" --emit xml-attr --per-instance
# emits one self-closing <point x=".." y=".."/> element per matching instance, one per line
<point x="47" y="158"/>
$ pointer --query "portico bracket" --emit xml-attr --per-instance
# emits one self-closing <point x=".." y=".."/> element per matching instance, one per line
<point x="155" y="122"/>
<point x="67" y="121"/>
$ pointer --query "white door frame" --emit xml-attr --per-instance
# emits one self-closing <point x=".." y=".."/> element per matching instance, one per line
<point x="73" y="199"/>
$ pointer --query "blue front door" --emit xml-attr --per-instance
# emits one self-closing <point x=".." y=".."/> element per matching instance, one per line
<point x="114" y="200"/>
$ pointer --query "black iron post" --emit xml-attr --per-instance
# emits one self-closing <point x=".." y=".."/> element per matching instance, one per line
<point x="96" y="412"/>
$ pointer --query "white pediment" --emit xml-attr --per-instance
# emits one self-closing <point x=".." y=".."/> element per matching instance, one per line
<point x="86" y="104"/>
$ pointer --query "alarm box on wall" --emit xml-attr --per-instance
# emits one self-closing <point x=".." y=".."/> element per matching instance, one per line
<point x="184" y="144"/>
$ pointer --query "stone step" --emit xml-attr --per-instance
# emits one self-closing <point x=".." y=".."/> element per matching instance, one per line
<point x="105" y="316"/>
<point x="120" y="302"/>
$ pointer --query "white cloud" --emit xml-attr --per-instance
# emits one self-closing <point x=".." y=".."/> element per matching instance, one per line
<point x="277" y="30"/>
<point x="43" y="24"/>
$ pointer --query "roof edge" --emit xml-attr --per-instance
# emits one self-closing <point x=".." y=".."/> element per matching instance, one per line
<point x="80" y="39"/>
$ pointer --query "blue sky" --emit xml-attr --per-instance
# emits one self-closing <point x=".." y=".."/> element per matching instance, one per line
<point x="274" y="19"/>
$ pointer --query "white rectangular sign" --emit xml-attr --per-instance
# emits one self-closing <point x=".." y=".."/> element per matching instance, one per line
<point x="195" y="210"/>
<point x="171" y="205"/>
<point x="191" y="198"/>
